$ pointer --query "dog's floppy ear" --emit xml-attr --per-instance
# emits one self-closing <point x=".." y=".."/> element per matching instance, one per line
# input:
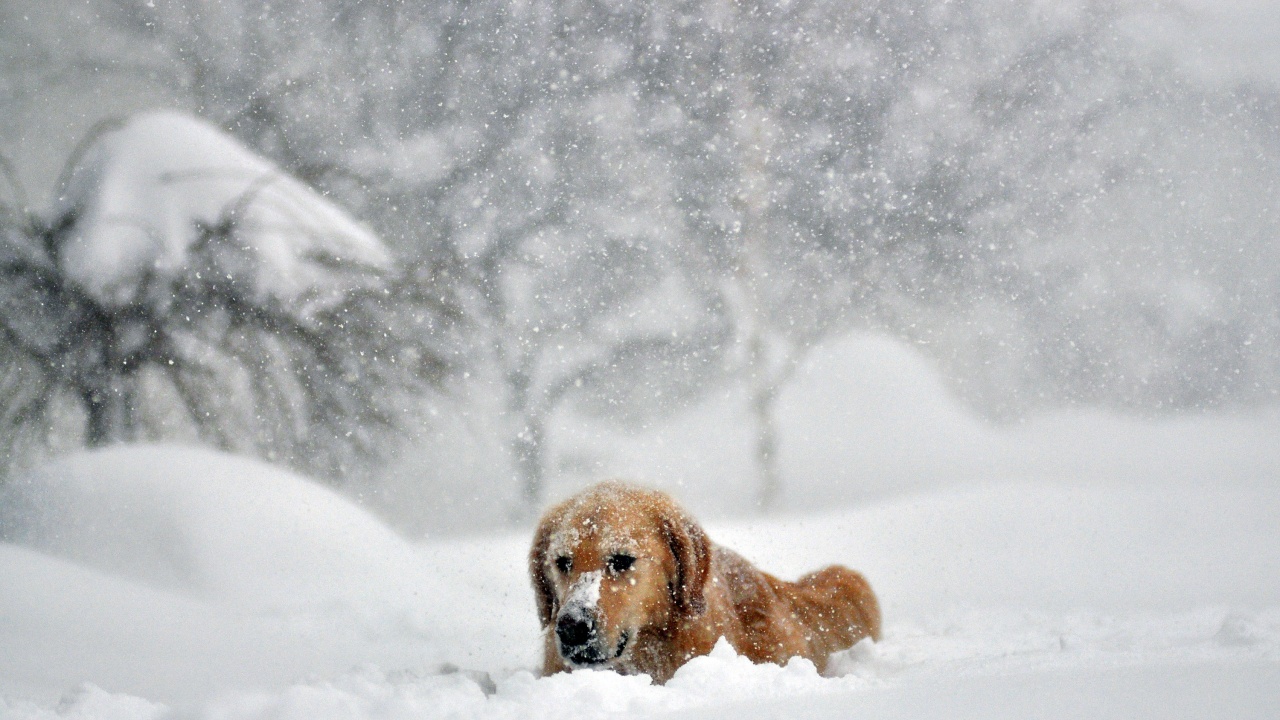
<point x="544" y="592"/>
<point x="692" y="553"/>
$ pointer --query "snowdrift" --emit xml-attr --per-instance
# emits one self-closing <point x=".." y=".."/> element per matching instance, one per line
<point x="176" y="570"/>
<point x="138" y="582"/>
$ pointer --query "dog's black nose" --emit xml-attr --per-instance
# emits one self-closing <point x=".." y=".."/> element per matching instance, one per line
<point x="574" y="631"/>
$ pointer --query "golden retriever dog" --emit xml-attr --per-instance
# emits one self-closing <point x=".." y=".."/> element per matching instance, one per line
<point x="625" y="579"/>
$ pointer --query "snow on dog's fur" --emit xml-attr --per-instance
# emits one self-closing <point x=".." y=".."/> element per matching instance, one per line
<point x="625" y="579"/>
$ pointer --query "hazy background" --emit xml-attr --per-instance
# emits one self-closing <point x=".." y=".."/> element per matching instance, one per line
<point x="670" y="238"/>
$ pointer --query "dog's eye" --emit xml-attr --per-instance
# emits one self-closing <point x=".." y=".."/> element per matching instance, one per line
<point x="620" y="562"/>
<point x="564" y="563"/>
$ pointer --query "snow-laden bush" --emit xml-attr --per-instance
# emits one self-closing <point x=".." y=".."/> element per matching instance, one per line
<point x="186" y="288"/>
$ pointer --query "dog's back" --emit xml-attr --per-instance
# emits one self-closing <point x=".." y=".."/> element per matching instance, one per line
<point x="840" y="602"/>
<point x="821" y="613"/>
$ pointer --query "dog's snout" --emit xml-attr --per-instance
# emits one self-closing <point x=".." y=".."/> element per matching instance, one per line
<point x="575" y="631"/>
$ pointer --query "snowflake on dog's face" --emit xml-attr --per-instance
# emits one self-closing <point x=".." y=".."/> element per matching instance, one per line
<point x="593" y="531"/>
<point x="609" y="569"/>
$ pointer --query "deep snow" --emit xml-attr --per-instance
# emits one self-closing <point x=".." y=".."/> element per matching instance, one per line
<point x="1069" y="580"/>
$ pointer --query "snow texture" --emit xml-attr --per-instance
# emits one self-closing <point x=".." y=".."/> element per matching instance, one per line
<point x="150" y="582"/>
<point x="146" y="190"/>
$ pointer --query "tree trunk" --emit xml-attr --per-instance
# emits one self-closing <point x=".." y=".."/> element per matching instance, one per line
<point x="109" y="413"/>
<point x="755" y="139"/>
<point x="528" y="439"/>
<point x="527" y="450"/>
<point x="769" y="478"/>
<point x="98" y="424"/>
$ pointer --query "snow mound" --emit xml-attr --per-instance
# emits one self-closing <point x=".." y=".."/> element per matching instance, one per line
<point x="885" y="424"/>
<point x="212" y="570"/>
<point x="1119" y="674"/>
<point x="1001" y="601"/>
<point x="868" y="417"/>
<point x="145" y="193"/>
<point x="88" y="702"/>
<point x="889" y="424"/>
<point x="202" y="522"/>
<point x="703" y="683"/>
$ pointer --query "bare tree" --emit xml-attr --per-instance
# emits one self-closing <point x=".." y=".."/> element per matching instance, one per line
<point x="578" y="287"/>
<point x="767" y="359"/>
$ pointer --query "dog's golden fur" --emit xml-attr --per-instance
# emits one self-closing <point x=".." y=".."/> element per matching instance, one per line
<point x="680" y="593"/>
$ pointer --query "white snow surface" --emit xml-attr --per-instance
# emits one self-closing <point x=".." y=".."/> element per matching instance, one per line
<point x="157" y="582"/>
<point x="143" y="189"/>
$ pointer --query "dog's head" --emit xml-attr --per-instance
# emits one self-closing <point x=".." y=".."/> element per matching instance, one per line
<point x="612" y="562"/>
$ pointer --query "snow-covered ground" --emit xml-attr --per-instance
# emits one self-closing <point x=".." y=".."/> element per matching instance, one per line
<point x="1071" y="579"/>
